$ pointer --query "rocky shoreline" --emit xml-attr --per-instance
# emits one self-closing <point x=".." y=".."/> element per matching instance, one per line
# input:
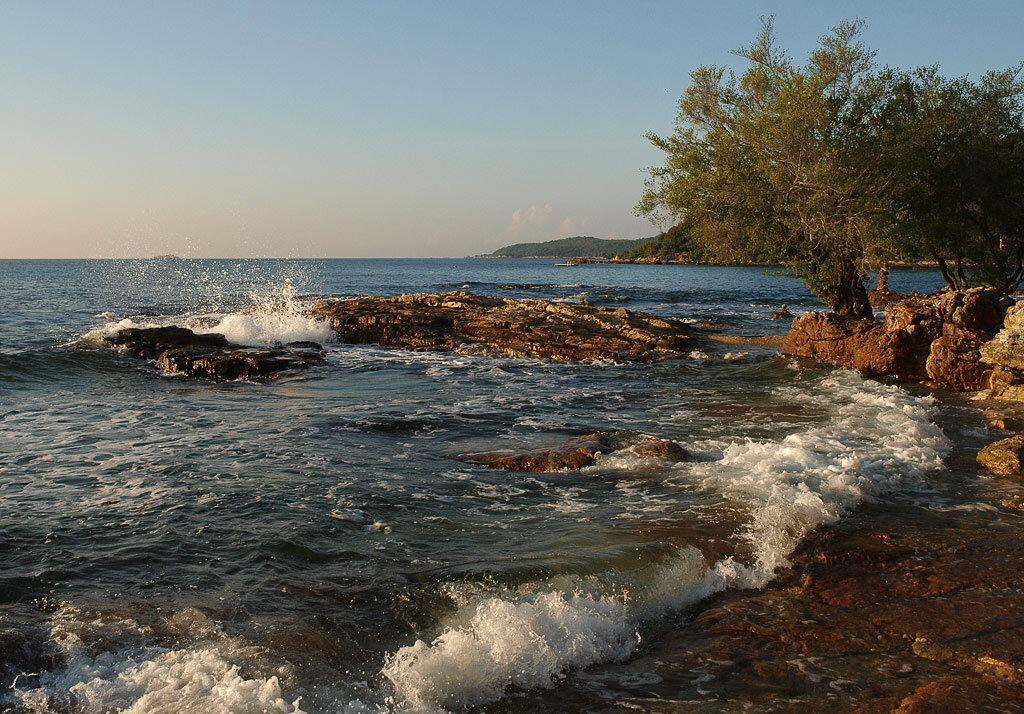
<point x="455" y="321"/>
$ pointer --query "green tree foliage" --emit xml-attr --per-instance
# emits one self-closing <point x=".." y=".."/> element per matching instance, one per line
<point x="673" y="242"/>
<point x="959" y="170"/>
<point x="783" y="162"/>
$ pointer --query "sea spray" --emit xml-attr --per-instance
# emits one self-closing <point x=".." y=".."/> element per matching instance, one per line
<point x="875" y="438"/>
<point x="277" y="316"/>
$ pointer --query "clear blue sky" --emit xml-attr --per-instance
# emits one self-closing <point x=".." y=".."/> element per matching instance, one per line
<point x="379" y="129"/>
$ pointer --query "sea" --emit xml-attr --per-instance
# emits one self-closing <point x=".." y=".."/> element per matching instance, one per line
<point x="308" y="543"/>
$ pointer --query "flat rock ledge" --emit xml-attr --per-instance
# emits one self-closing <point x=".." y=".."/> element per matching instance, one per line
<point x="211" y="356"/>
<point x="475" y="324"/>
<point x="577" y="454"/>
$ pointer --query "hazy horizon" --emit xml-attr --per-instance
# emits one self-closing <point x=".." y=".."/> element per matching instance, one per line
<point x="388" y="130"/>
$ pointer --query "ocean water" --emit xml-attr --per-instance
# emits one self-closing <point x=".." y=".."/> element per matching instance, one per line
<point x="307" y="544"/>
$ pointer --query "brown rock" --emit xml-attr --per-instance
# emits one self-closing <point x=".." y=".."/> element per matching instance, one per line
<point x="868" y="347"/>
<point x="179" y="350"/>
<point x="468" y="323"/>
<point x="954" y="360"/>
<point x="782" y="314"/>
<point x="577" y="453"/>
<point x="1005" y="457"/>
<point x="574" y="455"/>
<point x="661" y="449"/>
<point x="902" y="345"/>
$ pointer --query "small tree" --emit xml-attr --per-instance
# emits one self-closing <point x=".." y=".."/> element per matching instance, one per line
<point x="783" y="163"/>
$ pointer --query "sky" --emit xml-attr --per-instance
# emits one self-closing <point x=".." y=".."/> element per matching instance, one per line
<point x="380" y="129"/>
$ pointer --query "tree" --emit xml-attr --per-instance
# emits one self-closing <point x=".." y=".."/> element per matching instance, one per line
<point x="784" y="162"/>
<point x="959" y="160"/>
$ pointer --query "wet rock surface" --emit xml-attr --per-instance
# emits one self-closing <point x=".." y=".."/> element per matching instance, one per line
<point x="211" y="356"/>
<point x="468" y="323"/>
<point x="891" y="610"/>
<point x="1004" y="457"/>
<point x="576" y="454"/>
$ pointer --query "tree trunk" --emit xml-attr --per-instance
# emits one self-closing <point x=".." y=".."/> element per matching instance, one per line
<point x="851" y="299"/>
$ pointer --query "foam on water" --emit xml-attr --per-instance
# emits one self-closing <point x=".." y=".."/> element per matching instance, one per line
<point x="276" y="317"/>
<point x="144" y="679"/>
<point x="875" y="438"/>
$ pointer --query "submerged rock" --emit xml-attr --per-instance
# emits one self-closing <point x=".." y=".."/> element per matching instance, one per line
<point x="576" y="454"/>
<point x="1005" y="457"/>
<point x="782" y="314"/>
<point x="182" y="351"/>
<point x="468" y="323"/>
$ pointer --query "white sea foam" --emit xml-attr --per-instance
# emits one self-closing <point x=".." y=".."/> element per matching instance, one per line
<point x="136" y="678"/>
<point x="278" y="317"/>
<point x="876" y="436"/>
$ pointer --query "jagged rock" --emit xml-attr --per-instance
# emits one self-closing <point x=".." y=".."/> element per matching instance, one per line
<point x="469" y="323"/>
<point x="934" y="337"/>
<point x="577" y="453"/>
<point x="1005" y="458"/>
<point x="954" y="360"/>
<point x="180" y="350"/>
<point x="865" y="346"/>
<point x="148" y="342"/>
<point x="225" y="365"/>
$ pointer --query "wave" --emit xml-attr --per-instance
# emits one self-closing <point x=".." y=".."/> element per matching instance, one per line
<point x="277" y="317"/>
<point x="877" y="437"/>
<point x="147" y="679"/>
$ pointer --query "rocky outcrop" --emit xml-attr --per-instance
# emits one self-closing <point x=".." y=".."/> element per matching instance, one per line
<point x="933" y="338"/>
<point x="1005" y="457"/>
<point x="577" y="454"/>
<point x="182" y="351"/>
<point x="469" y="323"/>
<point x="1005" y="355"/>
<point x="955" y="362"/>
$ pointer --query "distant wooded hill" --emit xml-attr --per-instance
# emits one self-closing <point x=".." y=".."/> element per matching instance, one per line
<point x="569" y="248"/>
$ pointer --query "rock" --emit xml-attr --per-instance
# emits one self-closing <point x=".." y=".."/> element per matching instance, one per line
<point x="884" y="298"/>
<point x="782" y="314"/>
<point x="1000" y="420"/>
<point x="660" y="449"/>
<point x="1004" y="353"/>
<point x="954" y="360"/>
<point x="577" y="454"/>
<point x="935" y="337"/>
<point x="148" y="342"/>
<point x="868" y="347"/>
<point x="468" y="323"/>
<point x="179" y="350"/>
<point x="225" y="365"/>
<point x="1005" y="458"/>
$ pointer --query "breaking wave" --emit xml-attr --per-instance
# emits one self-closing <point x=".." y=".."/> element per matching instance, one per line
<point x="875" y="439"/>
